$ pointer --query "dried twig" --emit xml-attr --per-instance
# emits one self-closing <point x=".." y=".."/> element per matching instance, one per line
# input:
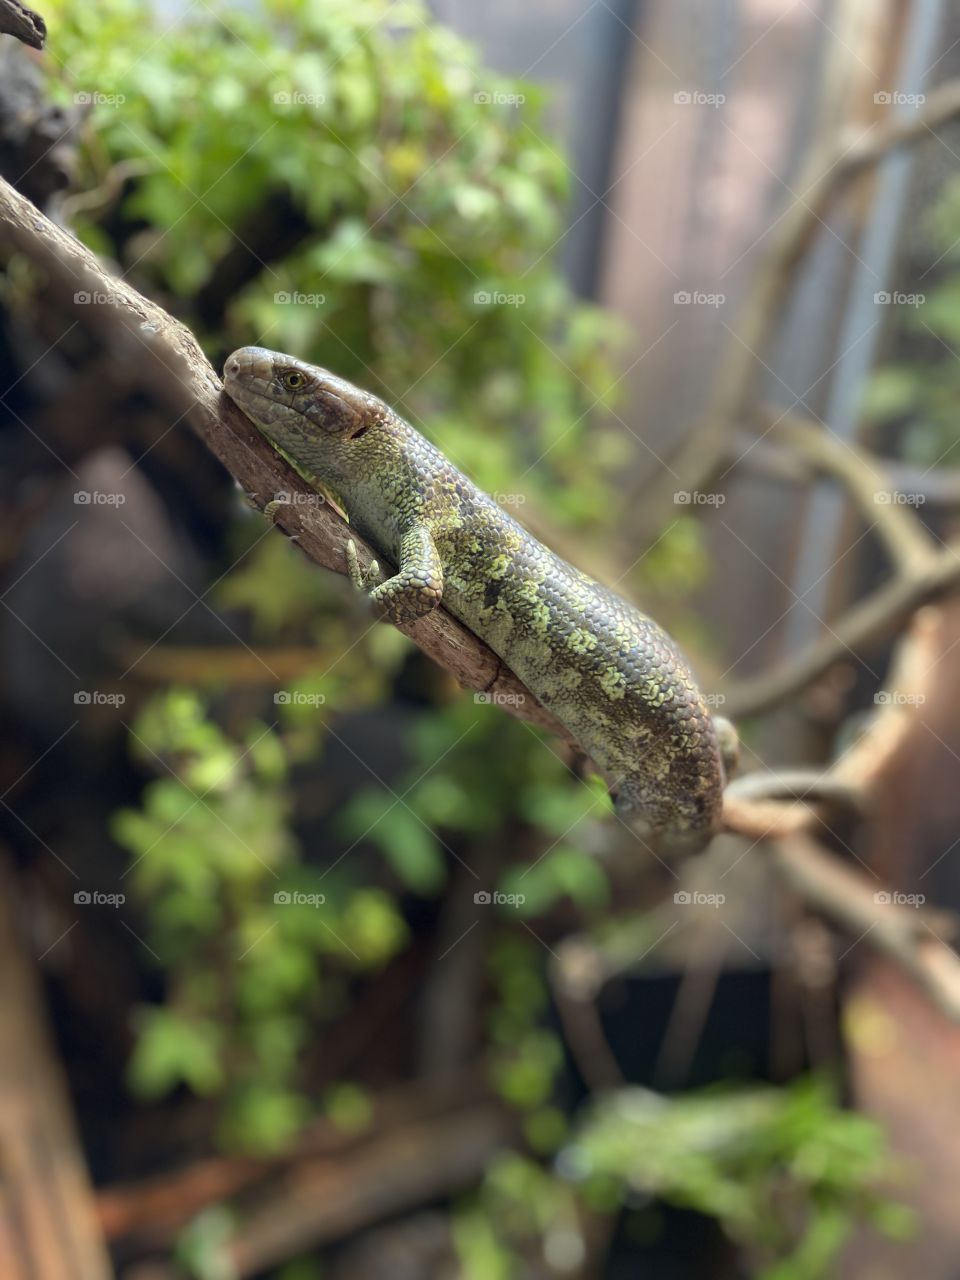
<point x="846" y="895"/>
<point x="854" y="778"/>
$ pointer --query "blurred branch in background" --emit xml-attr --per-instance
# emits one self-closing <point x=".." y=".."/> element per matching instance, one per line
<point x="416" y="1143"/>
<point x="48" y="1226"/>
<point x="831" y="166"/>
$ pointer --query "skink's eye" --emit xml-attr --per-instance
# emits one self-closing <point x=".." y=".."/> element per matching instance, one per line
<point x="293" y="380"/>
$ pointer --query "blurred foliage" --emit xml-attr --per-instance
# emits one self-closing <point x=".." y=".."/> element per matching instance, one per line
<point x="786" y="1174"/>
<point x="427" y="204"/>
<point x="916" y="395"/>
<point x="255" y="945"/>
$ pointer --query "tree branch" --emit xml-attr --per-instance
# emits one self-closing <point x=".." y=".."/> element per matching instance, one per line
<point x="909" y="935"/>
<point x="750" y="807"/>
<point x="22" y="23"/>
<point x="173" y="366"/>
<point x="766" y="457"/>
<point x="829" y="169"/>
<point x="907" y="542"/>
<point x="866" y="622"/>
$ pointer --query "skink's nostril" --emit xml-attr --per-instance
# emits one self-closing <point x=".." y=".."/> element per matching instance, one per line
<point x="232" y="367"/>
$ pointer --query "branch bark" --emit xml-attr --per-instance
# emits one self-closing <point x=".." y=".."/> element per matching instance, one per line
<point x="22" y="23"/>
<point x="328" y="1198"/>
<point x="175" y="368"/>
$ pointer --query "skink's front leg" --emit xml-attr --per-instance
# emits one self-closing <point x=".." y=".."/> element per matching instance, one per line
<point x="414" y="590"/>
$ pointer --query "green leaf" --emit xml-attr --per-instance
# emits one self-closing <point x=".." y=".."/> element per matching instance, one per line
<point x="410" y="847"/>
<point x="172" y="1050"/>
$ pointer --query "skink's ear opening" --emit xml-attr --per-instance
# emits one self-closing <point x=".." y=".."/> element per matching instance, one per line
<point x="330" y="411"/>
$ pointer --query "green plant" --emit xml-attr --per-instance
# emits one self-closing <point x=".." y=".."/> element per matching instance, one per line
<point x="255" y="946"/>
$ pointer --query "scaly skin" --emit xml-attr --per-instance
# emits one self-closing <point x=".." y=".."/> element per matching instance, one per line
<point x="607" y="672"/>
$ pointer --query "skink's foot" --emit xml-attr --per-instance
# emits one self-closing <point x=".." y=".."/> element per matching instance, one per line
<point x="363" y="580"/>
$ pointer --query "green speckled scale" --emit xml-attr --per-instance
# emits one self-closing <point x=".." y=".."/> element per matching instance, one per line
<point x="607" y="672"/>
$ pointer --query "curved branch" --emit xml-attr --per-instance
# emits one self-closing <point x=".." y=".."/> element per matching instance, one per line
<point x="907" y="542"/>
<point x="869" y="621"/>
<point x="172" y="365"/>
<point x="751" y="809"/>
<point x="938" y="489"/>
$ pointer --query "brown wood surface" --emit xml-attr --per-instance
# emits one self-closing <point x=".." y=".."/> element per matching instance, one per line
<point x="48" y="1227"/>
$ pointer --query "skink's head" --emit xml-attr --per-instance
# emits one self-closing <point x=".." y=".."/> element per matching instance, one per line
<point x="315" y="417"/>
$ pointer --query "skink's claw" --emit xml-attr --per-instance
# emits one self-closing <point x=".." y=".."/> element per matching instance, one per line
<point x="363" y="580"/>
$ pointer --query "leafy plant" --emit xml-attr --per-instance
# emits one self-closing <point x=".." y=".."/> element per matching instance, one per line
<point x="254" y="945"/>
